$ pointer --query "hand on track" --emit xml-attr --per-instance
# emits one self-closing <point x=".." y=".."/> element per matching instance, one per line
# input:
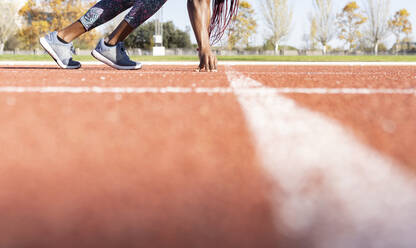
<point x="207" y="60"/>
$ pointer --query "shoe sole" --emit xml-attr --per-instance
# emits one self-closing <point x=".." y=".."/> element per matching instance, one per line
<point x="44" y="43"/>
<point x="108" y="62"/>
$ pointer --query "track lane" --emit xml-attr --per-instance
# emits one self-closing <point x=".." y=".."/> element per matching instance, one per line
<point x="386" y="122"/>
<point x="333" y="76"/>
<point x="333" y="190"/>
<point x="150" y="170"/>
<point x="155" y="76"/>
<point x="82" y="138"/>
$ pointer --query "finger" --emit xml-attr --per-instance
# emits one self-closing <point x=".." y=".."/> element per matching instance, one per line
<point x="211" y="63"/>
<point x="206" y="63"/>
<point x="201" y="63"/>
<point x="215" y="61"/>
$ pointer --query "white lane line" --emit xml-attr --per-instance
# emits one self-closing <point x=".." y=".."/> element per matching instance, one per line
<point x="254" y="63"/>
<point x="204" y="90"/>
<point x="341" y="73"/>
<point x="388" y="75"/>
<point x="332" y="190"/>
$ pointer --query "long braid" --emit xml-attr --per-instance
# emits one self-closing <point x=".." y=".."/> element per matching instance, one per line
<point x="223" y="11"/>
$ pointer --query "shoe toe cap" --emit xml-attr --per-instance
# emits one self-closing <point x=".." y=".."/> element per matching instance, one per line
<point x="72" y="63"/>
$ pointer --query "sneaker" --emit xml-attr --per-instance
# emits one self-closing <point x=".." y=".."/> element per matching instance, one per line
<point x="114" y="56"/>
<point x="59" y="51"/>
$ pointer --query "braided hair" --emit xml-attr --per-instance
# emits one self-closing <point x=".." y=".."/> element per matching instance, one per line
<point x="223" y="11"/>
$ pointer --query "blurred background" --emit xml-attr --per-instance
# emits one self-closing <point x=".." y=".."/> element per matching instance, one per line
<point x="262" y="27"/>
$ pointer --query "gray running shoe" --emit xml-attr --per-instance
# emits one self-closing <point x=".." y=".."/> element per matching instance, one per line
<point x="59" y="51"/>
<point x="114" y="56"/>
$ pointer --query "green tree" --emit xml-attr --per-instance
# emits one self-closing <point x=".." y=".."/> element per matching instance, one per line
<point x="268" y="45"/>
<point x="173" y="37"/>
<point x="400" y="24"/>
<point x="349" y="23"/>
<point x="44" y="16"/>
<point x="142" y="37"/>
<point x="243" y="27"/>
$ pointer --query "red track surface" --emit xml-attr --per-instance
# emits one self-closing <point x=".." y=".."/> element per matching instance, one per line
<point x="166" y="170"/>
<point x="386" y="122"/>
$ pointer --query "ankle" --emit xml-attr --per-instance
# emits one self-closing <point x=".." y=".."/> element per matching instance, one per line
<point x="110" y="43"/>
<point x="62" y="39"/>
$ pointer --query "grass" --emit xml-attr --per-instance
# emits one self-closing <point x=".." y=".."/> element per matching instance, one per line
<point x="411" y="58"/>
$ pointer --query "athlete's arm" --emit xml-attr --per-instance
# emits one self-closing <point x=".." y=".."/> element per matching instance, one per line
<point x="200" y="15"/>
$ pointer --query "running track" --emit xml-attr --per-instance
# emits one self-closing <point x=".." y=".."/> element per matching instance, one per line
<point x="272" y="155"/>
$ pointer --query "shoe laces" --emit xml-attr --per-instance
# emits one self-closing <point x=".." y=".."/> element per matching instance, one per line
<point x="73" y="52"/>
<point x="123" y="50"/>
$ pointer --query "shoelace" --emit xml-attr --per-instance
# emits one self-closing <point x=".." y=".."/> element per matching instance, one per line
<point x="72" y="49"/>
<point x="123" y="50"/>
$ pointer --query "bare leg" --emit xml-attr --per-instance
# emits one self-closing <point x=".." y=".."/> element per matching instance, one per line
<point x="72" y="32"/>
<point x="141" y="11"/>
<point x="102" y="12"/>
<point x="105" y="10"/>
<point x="120" y="33"/>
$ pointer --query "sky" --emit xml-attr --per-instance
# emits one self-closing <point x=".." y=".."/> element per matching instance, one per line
<point x="175" y="10"/>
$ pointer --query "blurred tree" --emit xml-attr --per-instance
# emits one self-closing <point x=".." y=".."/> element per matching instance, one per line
<point x="243" y="26"/>
<point x="376" y="28"/>
<point x="399" y="24"/>
<point x="306" y="45"/>
<point x="268" y="45"/>
<point x="8" y="21"/>
<point x="278" y="16"/>
<point x="48" y="15"/>
<point x="142" y="37"/>
<point x="313" y="33"/>
<point x="309" y="38"/>
<point x="322" y="21"/>
<point x="12" y="43"/>
<point x="349" y="23"/>
<point x="173" y="37"/>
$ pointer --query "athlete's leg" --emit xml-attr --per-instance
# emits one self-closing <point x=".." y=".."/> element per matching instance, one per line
<point x="71" y="32"/>
<point x="120" y="33"/>
<point x="100" y="13"/>
<point x="112" y="51"/>
<point x="141" y="11"/>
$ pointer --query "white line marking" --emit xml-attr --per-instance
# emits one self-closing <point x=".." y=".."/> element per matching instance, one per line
<point x="203" y="90"/>
<point x="332" y="190"/>
<point x="195" y="63"/>
<point x="324" y="73"/>
<point x="398" y="75"/>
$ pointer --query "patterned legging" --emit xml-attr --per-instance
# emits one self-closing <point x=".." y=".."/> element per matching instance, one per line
<point x="106" y="10"/>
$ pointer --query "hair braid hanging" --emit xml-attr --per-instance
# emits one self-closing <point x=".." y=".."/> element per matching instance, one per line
<point x="223" y="11"/>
